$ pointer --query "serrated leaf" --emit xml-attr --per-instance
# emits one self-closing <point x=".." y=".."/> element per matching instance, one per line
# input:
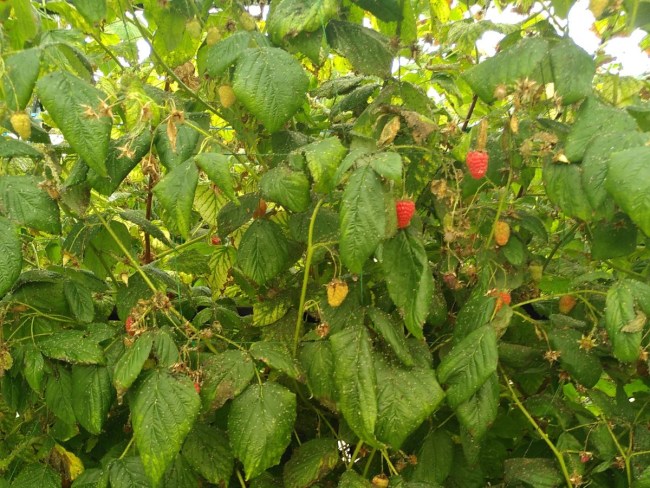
<point x="58" y="395"/>
<point x="271" y="84"/>
<point x="582" y="365"/>
<point x="408" y="278"/>
<point x="20" y="73"/>
<point x="80" y="300"/>
<point x="216" y="59"/>
<point x="92" y="10"/>
<point x="277" y="356"/>
<point x="176" y="194"/>
<point x="128" y="473"/>
<point x="405" y="398"/>
<point x="350" y="479"/>
<point x="290" y="17"/>
<point x="260" y="423"/>
<point x="139" y="218"/>
<point x="478" y="413"/>
<point x="92" y="396"/>
<point x="225" y="376"/>
<point x="392" y="333"/>
<point x="12" y="148"/>
<point x="123" y="155"/>
<point x="263" y="251"/>
<point x="619" y="312"/>
<point x="356" y="381"/>
<point x="362" y="218"/>
<point x="538" y="472"/>
<point x="37" y="475"/>
<point x="628" y="182"/>
<point x="207" y="450"/>
<point x="518" y="62"/>
<point x="595" y="118"/>
<point x="34" y="368"/>
<point x="287" y="187"/>
<point x="163" y="410"/>
<point x="172" y="155"/>
<point x="435" y="458"/>
<point x="564" y="188"/>
<point x="572" y="69"/>
<point x="129" y="365"/>
<point x="366" y="49"/>
<point x="386" y="10"/>
<point x="233" y="215"/>
<point x="75" y="107"/>
<point x="388" y="165"/>
<point x="267" y="312"/>
<point x="24" y="202"/>
<point x="317" y="361"/>
<point x="221" y="261"/>
<point x="217" y="167"/>
<point x="323" y="158"/>
<point x="72" y="346"/>
<point x="11" y="255"/>
<point x="469" y="364"/>
<point x="310" y="462"/>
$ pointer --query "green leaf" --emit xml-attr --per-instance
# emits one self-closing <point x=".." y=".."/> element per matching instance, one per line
<point x="222" y="259"/>
<point x="388" y="165"/>
<point x="91" y="478"/>
<point x="469" y="364"/>
<point x="386" y="10"/>
<point x="233" y="215"/>
<point x="74" y="105"/>
<point x="362" y="218"/>
<point x="128" y="473"/>
<point x="271" y="84"/>
<point x="263" y="251"/>
<point x="80" y="300"/>
<point x="216" y="59"/>
<point x="39" y="475"/>
<point x="475" y="313"/>
<point x="628" y="181"/>
<point x="514" y="251"/>
<point x="172" y="155"/>
<point x="573" y="70"/>
<point x="537" y="472"/>
<point x="58" y="395"/>
<point x="139" y="218"/>
<point x="366" y="49"/>
<point x="317" y="361"/>
<point x="613" y="239"/>
<point x="123" y="155"/>
<point x="24" y="202"/>
<point x="12" y="148"/>
<point x="408" y="278"/>
<point x="72" y="346"/>
<point x="20" y="73"/>
<point x="129" y="365"/>
<point x="405" y="398"/>
<point x="287" y="187"/>
<point x="392" y="333"/>
<point x="520" y="61"/>
<point x="164" y="349"/>
<point x="259" y="424"/>
<point x="225" y="376"/>
<point x="267" y="312"/>
<point x="350" y="479"/>
<point x="277" y="356"/>
<point x="620" y="313"/>
<point x="92" y="10"/>
<point x="478" y="413"/>
<point x="92" y="396"/>
<point x="180" y="475"/>
<point x="288" y="18"/>
<point x="207" y="450"/>
<point x="356" y="381"/>
<point x="310" y="462"/>
<point x="595" y="119"/>
<point x="34" y="368"/>
<point x="176" y="194"/>
<point x="564" y="188"/>
<point x="11" y="255"/>
<point x="584" y="366"/>
<point x="323" y="158"/>
<point x="217" y="167"/>
<point x="163" y="410"/>
<point x="435" y="458"/>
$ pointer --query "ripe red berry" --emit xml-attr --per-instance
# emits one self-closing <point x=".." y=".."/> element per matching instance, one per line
<point x="215" y="240"/>
<point x="128" y="326"/>
<point x="477" y="163"/>
<point x="197" y="387"/>
<point x="405" y="210"/>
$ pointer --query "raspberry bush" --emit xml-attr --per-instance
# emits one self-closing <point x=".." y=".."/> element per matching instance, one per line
<point x="209" y="275"/>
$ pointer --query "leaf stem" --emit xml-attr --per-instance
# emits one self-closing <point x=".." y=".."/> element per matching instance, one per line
<point x="626" y="458"/>
<point x="357" y="450"/>
<point x="126" y="449"/>
<point x="305" y="278"/>
<point x="538" y="429"/>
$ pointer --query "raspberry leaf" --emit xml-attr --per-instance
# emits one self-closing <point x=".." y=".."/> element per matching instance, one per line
<point x="11" y="257"/>
<point x="176" y="195"/>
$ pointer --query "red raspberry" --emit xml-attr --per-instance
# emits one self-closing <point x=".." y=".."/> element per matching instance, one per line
<point x="405" y="210"/>
<point x="477" y="163"/>
<point x="197" y="387"/>
<point x="128" y="326"/>
<point x="215" y="240"/>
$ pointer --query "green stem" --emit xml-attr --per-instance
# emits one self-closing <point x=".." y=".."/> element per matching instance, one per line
<point x="356" y="452"/>
<point x="538" y="429"/>
<point x="366" y="468"/>
<point x="621" y="451"/>
<point x="305" y="278"/>
<point x="128" y="446"/>
<point x="242" y="483"/>
<point x="557" y="295"/>
<point x="557" y="246"/>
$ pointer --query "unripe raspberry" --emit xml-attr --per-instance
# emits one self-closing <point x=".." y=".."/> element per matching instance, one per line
<point x="502" y="233"/>
<point x="21" y="125"/>
<point x="227" y="96"/>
